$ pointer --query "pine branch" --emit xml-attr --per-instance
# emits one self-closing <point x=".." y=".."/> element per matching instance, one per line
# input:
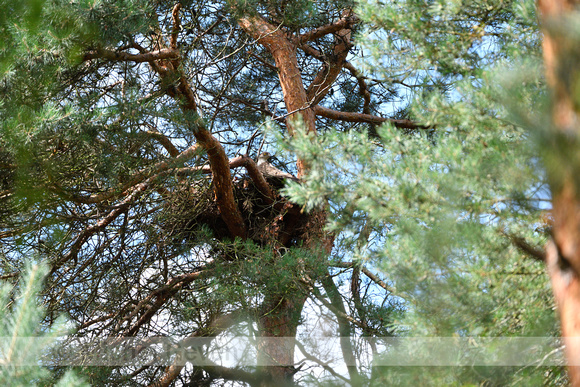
<point x="332" y="68"/>
<point x="368" y="118"/>
<point x="346" y="22"/>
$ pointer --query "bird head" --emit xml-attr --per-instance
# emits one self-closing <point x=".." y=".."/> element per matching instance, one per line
<point x="264" y="157"/>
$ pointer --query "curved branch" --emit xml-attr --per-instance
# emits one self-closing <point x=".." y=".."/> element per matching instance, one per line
<point x="240" y="161"/>
<point x="258" y="179"/>
<point x="163" y="140"/>
<point x="283" y="49"/>
<point x="362" y="85"/>
<point x="343" y="23"/>
<point x="332" y="68"/>
<point x="368" y="118"/>
<point x="218" y="160"/>
<point x="344" y="327"/>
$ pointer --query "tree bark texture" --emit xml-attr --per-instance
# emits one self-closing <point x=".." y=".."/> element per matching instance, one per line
<point x="561" y="55"/>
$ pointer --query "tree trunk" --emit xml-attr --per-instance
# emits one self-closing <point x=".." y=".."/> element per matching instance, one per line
<point x="561" y="54"/>
<point x="281" y="312"/>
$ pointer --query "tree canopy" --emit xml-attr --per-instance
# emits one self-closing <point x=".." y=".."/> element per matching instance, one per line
<point x="130" y="134"/>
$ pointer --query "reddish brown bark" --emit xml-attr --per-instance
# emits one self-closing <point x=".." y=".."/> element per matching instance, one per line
<point x="166" y="62"/>
<point x="223" y="185"/>
<point x="560" y="58"/>
<point x="333" y="65"/>
<point x="283" y="49"/>
<point x="368" y="118"/>
<point x="240" y="161"/>
<point x="561" y="53"/>
<point x="344" y="23"/>
<point x="281" y="312"/>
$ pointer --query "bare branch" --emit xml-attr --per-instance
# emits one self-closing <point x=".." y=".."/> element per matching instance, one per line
<point x="308" y="49"/>
<point x="368" y="118"/>
<point x="176" y="26"/>
<point x="101" y="53"/>
<point x="216" y="326"/>
<point x="163" y="140"/>
<point x="331" y="68"/>
<point x="367" y="272"/>
<point x="240" y="161"/>
<point x="363" y="89"/>
<point x="343" y="23"/>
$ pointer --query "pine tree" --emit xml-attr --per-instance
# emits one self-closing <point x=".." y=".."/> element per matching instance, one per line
<point x="25" y="340"/>
<point x="130" y="130"/>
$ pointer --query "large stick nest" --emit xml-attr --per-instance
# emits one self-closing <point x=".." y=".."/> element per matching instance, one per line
<point x="192" y="208"/>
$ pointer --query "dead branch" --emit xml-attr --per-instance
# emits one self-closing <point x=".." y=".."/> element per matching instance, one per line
<point x="163" y="140"/>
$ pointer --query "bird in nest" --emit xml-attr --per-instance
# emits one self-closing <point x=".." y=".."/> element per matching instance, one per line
<point x="270" y="172"/>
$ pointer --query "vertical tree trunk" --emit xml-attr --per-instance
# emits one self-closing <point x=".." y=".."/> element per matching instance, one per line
<point x="280" y="312"/>
<point x="561" y="55"/>
<point x="278" y="322"/>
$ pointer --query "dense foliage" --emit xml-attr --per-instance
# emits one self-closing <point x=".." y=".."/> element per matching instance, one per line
<point x="121" y="119"/>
